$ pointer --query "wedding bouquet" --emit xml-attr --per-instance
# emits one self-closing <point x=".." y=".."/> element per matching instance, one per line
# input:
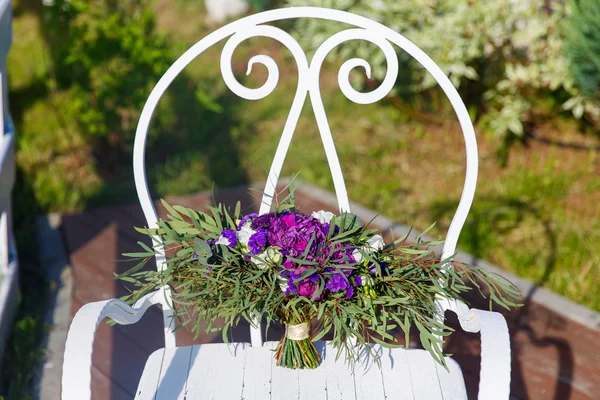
<point x="291" y="267"/>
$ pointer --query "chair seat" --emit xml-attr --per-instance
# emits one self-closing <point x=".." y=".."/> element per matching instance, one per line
<point x="239" y="371"/>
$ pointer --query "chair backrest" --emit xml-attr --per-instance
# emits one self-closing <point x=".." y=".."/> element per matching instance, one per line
<point x="308" y="85"/>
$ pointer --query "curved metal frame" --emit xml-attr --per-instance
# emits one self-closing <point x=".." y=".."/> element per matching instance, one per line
<point x="308" y="84"/>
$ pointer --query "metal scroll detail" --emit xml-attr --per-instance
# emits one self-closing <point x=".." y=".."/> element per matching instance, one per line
<point x="308" y="83"/>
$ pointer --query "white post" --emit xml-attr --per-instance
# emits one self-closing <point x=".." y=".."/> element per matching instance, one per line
<point x="1" y="104"/>
<point x="4" y="247"/>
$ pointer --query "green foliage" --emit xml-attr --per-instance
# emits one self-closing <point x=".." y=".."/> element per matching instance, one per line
<point x="109" y="56"/>
<point x="507" y="53"/>
<point x="23" y="357"/>
<point x="217" y="283"/>
<point x="261" y="5"/>
<point x="583" y="45"/>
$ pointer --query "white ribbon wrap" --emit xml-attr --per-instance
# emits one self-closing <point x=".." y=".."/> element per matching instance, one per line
<point x="298" y="332"/>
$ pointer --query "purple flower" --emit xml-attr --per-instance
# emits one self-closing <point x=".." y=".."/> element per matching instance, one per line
<point x="337" y="283"/>
<point x="288" y="264"/>
<point x="246" y="218"/>
<point x="262" y="221"/>
<point x="227" y="238"/>
<point x="373" y="267"/>
<point x="349" y="292"/>
<point x="292" y="232"/>
<point x="357" y="281"/>
<point x="307" y="289"/>
<point x="343" y="254"/>
<point x="258" y="241"/>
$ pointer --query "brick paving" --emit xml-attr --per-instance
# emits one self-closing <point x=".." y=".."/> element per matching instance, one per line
<point x="552" y="357"/>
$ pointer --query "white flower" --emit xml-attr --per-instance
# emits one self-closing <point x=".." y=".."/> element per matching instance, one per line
<point x="243" y="235"/>
<point x="222" y="240"/>
<point x="270" y="256"/>
<point x="260" y="260"/>
<point x="366" y="280"/>
<point x="273" y="254"/>
<point x="283" y="284"/>
<point x="375" y="243"/>
<point x="324" y="217"/>
<point x="357" y="255"/>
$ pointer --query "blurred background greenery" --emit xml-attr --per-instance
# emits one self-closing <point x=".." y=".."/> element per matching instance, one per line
<point x="529" y="71"/>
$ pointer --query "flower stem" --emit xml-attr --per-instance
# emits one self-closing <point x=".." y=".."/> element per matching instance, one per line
<point x="297" y="354"/>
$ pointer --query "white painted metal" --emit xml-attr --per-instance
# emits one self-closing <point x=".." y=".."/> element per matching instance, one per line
<point x="339" y="380"/>
<point x="76" y="378"/>
<point x="257" y="372"/>
<point x="5" y="192"/>
<point x="494" y="378"/>
<point x="399" y="372"/>
<point x="222" y="383"/>
<point x="235" y="372"/>
<point x="428" y="385"/>
<point x="368" y="379"/>
<point x="149" y="384"/>
<point x="9" y="263"/>
<point x="5" y="43"/>
<point x="173" y="378"/>
<point x="2" y="102"/>
<point x="211" y="366"/>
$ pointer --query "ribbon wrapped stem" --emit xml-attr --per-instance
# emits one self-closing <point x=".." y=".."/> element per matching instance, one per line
<point x="296" y="350"/>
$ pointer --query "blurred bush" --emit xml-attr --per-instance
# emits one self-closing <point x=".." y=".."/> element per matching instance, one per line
<point x="261" y="5"/>
<point x="583" y="45"/>
<point x="108" y="55"/>
<point x="506" y="57"/>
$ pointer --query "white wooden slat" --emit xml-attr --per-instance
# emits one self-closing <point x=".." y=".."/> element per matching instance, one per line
<point x="396" y="375"/>
<point x="149" y="382"/>
<point x="451" y="381"/>
<point x="313" y="382"/>
<point x="368" y="380"/>
<point x="203" y="371"/>
<point x="340" y="380"/>
<point x="424" y="376"/>
<point x="216" y="372"/>
<point x="284" y="382"/>
<point x="257" y="372"/>
<point x="174" y="374"/>
<point x="231" y="371"/>
<point x="220" y="372"/>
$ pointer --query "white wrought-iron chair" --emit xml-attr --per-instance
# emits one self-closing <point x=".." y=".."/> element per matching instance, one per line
<point x="247" y="371"/>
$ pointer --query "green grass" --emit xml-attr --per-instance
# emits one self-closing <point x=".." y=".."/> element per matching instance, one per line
<point x="536" y="217"/>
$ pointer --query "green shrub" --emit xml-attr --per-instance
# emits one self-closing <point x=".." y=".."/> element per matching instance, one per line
<point x="109" y="56"/>
<point x="501" y="55"/>
<point x="261" y="5"/>
<point x="583" y="45"/>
